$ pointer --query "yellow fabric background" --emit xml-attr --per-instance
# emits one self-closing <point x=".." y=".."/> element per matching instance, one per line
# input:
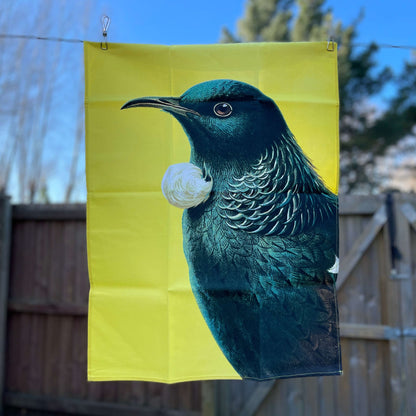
<point x="144" y="323"/>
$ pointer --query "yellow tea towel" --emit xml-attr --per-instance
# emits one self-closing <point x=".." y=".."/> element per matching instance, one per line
<point x="212" y="224"/>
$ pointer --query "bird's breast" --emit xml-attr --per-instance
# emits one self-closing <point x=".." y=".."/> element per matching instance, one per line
<point x="219" y="257"/>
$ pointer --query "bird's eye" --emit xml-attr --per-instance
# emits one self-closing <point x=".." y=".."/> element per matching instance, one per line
<point x="223" y="109"/>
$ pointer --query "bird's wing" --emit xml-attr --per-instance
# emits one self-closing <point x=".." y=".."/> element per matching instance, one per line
<point x="307" y="257"/>
<point x="277" y="196"/>
<point x="289" y="210"/>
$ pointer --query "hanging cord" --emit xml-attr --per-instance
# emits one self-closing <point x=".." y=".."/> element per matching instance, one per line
<point x="34" y="37"/>
<point x="386" y="45"/>
<point x="107" y="24"/>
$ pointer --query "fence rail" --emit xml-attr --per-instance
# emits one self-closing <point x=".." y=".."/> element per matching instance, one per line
<point x="43" y="325"/>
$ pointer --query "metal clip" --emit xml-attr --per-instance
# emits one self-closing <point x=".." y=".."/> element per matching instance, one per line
<point x="330" y="47"/>
<point x="105" y="21"/>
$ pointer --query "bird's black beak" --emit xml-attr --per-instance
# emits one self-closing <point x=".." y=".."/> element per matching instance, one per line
<point x="169" y="104"/>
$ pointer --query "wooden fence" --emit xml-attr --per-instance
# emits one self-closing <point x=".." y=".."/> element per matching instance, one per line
<point x="43" y="325"/>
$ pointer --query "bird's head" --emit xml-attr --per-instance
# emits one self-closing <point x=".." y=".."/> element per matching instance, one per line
<point x="226" y="121"/>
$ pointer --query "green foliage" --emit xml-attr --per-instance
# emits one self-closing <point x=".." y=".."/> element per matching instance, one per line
<point x="363" y="135"/>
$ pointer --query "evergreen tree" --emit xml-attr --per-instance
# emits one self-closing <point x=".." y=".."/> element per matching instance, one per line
<point x="363" y="136"/>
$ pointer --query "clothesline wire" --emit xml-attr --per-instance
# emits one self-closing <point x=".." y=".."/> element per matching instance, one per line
<point x="71" y="40"/>
<point x="34" y="37"/>
<point x="386" y="45"/>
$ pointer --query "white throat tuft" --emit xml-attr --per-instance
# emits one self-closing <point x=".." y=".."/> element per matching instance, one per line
<point x="184" y="185"/>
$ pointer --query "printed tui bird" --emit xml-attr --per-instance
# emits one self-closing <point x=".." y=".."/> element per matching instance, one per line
<point x="261" y="242"/>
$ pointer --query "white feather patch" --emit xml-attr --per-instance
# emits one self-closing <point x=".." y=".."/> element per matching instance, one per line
<point x="335" y="268"/>
<point x="184" y="186"/>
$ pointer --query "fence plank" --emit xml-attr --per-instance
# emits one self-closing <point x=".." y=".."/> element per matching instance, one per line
<point x="362" y="243"/>
<point x="375" y="350"/>
<point x="359" y="205"/>
<point x="311" y="389"/>
<point x="51" y="308"/>
<point x="49" y="212"/>
<point x="326" y="401"/>
<point x="410" y="214"/>
<point x="5" y="236"/>
<point x="368" y="331"/>
<point x="391" y="316"/>
<point x="256" y="398"/>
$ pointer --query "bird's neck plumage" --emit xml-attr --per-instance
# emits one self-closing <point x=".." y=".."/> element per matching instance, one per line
<point x="290" y="166"/>
<point x="293" y="166"/>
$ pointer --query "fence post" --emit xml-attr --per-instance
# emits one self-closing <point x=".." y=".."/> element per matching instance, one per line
<point x="5" y="239"/>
